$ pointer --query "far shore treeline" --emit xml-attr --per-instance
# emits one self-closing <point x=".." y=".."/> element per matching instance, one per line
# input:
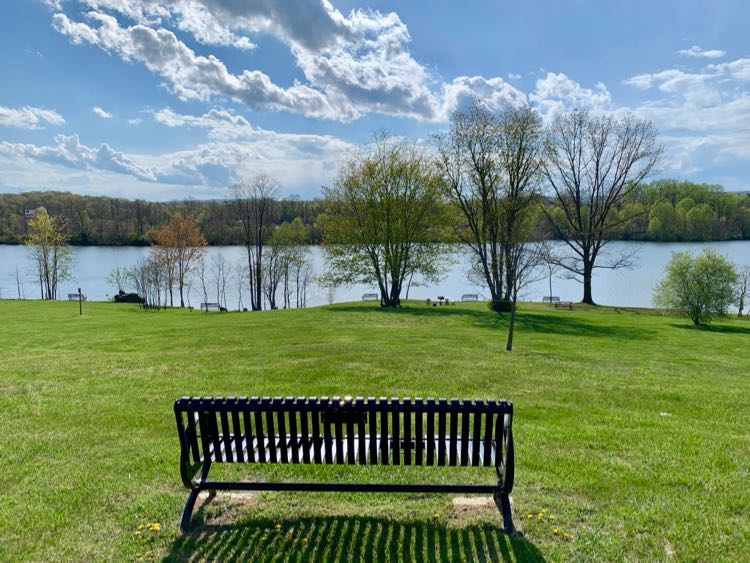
<point x="679" y="211"/>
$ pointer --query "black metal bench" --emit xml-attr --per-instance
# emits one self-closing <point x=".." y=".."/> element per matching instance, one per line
<point x="353" y="432"/>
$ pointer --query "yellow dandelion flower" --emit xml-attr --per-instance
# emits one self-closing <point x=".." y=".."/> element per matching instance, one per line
<point x="140" y="527"/>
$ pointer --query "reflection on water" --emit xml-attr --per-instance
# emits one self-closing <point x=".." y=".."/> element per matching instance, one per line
<point x="628" y="288"/>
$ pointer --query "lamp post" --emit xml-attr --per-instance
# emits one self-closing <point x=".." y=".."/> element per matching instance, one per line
<point x="80" y="302"/>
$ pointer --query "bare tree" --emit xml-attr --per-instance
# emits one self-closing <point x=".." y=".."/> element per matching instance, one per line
<point x="255" y="205"/>
<point x="743" y="288"/>
<point x="468" y="159"/>
<point x="202" y="274"/>
<point x="593" y="164"/>
<point x="221" y="272"/>
<point x="240" y="276"/>
<point x="119" y="277"/>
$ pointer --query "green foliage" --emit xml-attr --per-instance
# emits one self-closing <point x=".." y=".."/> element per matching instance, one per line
<point x="703" y="288"/>
<point x="383" y="216"/>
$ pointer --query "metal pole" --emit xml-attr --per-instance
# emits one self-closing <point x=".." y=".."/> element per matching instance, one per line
<point x="80" y="302"/>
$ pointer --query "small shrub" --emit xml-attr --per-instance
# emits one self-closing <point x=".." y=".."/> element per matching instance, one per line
<point x="700" y="287"/>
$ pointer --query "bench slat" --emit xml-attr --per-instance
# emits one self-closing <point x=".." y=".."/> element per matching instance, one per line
<point x="441" y="433"/>
<point x="453" y="437"/>
<point x="361" y="444"/>
<point x="430" y="434"/>
<point x="384" y="434"/>
<point x="227" y="435"/>
<point x="407" y="432"/>
<point x="258" y="436"/>
<point x="418" y="431"/>
<point x="373" y="433"/>
<point x="396" y="434"/>
<point x="465" y="420"/>
<point x="476" y="460"/>
<point x="294" y="442"/>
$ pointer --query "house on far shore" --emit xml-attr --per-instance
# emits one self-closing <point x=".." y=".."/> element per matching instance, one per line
<point x="29" y="213"/>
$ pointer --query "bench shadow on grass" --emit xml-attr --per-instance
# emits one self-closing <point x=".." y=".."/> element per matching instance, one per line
<point x="559" y="322"/>
<point x="349" y="538"/>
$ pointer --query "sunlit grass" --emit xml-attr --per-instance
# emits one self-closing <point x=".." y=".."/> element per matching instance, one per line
<point x="631" y="431"/>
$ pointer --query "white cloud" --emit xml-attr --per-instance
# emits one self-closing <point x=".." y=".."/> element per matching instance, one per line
<point x="697" y="52"/>
<point x="135" y="121"/>
<point x="70" y="153"/>
<point x="234" y="149"/>
<point x="28" y="117"/>
<point x="101" y="113"/>
<point x="704" y="115"/>
<point x="352" y="65"/>
<point x="556" y="93"/>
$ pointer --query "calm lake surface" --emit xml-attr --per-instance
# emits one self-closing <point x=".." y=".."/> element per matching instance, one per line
<point x="629" y="288"/>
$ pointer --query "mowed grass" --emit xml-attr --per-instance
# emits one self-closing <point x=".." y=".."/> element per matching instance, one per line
<point x="632" y="432"/>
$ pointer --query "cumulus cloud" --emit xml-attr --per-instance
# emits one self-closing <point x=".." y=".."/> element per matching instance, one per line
<point x="28" y="117"/>
<point x="697" y="52"/>
<point x="69" y="152"/>
<point x="704" y="114"/>
<point x="101" y="113"/>
<point x="236" y="149"/>
<point x="556" y="93"/>
<point x="352" y="65"/>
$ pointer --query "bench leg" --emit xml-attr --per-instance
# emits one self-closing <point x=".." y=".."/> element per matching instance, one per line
<point x="503" y="505"/>
<point x="188" y="512"/>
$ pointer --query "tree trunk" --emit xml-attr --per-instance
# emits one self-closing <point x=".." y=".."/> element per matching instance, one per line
<point x="587" y="274"/>
<point x="511" y="325"/>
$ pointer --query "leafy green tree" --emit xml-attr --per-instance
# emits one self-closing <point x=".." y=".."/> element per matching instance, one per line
<point x="383" y="218"/>
<point x="47" y="240"/>
<point x="702" y="288"/>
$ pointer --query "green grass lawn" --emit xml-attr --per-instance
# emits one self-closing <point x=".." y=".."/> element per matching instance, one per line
<point x="632" y="432"/>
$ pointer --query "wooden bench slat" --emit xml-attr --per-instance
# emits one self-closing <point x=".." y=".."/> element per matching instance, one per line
<point x="419" y="449"/>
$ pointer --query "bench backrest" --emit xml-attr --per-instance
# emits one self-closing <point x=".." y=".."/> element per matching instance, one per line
<point x="550" y="299"/>
<point x="360" y="431"/>
<point x="470" y="297"/>
<point x="370" y="297"/>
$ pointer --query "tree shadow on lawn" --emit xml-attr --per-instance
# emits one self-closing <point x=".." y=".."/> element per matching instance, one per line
<point x="350" y="537"/>
<point x="559" y="322"/>
<point x="719" y="329"/>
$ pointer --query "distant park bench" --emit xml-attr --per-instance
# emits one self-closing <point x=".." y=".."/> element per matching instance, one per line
<point x="550" y="299"/>
<point x="345" y="432"/>
<point x="370" y="297"/>
<point x="470" y="297"/>
<point x="208" y="306"/>
<point x="74" y="297"/>
<point x="564" y="305"/>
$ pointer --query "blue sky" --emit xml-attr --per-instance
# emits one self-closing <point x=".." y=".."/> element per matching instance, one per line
<point x="165" y="99"/>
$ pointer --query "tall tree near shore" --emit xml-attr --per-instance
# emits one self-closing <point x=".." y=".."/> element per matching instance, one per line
<point x="520" y="165"/>
<point x="47" y="240"/>
<point x="183" y="245"/>
<point x="593" y="164"/>
<point x="468" y="160"/>
<point x="256" y="207"/>
<point x="382" y="219"/>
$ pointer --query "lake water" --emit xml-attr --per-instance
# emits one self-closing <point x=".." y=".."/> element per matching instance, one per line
<point x="630" y="288"/>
